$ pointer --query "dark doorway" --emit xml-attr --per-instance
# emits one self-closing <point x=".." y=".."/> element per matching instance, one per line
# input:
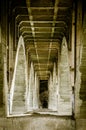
<point x="43" y="92"/>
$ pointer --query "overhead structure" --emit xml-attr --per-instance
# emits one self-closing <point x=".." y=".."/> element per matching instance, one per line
<point x="43" y="25"/>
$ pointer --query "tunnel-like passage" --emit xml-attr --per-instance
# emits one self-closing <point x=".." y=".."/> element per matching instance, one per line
<point x="29" y="93"/>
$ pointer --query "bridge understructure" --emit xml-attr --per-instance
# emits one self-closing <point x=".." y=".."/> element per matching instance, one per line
<point x="42" y="65"/>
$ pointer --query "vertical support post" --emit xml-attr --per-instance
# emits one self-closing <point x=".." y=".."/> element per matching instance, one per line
<point x="31" y="85"/>
<point x="5" y="89"/>
<point x="52" y="105"/>
<point x="54" y="89"/>
<point x="79" y="43"/>
<point x="19" y="81"/>
<point x="50" y="92"/>
<point x="58" y="77"/>
<point x="72" y="67"/>
<point x="65" y="90"/>
<point x="35" y="93"/>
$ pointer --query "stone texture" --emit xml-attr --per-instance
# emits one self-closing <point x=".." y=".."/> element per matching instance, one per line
<point x="80" y="124"/>
<point x="37" y="123"/>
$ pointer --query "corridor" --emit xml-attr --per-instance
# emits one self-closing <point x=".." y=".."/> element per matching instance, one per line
<point x="42" y="65"/>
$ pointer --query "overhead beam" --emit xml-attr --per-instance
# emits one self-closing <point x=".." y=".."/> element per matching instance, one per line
<point x="63" y="22"/>
<point x="42" y="32"/>
<point x="26" y="28"/>
<point x="39" y="8"/>
<point x="28" y="40"/>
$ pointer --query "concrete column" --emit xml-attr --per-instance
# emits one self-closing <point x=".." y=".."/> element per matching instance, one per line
<point x="3" y="56"/>
<point x="59" y="55"/>
<point x="79" y="44"/>
<point x="50" y="85"/>
<point x="72" y="59"/>
<point x="27" y="62"/>
<point x="54" y="89"/>
<point x="65" y="90"/>
<point x="11" y="65"/>
<point x="36" y="93"/>
<point x="82" y="92"/>
<point x="31" y="88"/>
<point x="5" y="89"/>
<point x="52" y="104"/>
<point x="19" y="81"/>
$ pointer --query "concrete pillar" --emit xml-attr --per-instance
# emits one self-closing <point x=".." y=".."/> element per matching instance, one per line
<point x="50" y="85"/>
<point x="72" y="59"/>
<point x="36" y="93"/>
<point x="11" y="61"/>
<point x="82" y="92"/>
<point x="79" y="43"/>
<point x="27" y="62"/>
<point x="19" y="81"/>
<point x="54" y="89"/>
<point x="52" y="104"/>
<point x="3" y="56"/>
<point x="31" y="88"/>
<point x="65" y="90"/>
<point x="5" y="89"/>
<point x="59" y="55"/>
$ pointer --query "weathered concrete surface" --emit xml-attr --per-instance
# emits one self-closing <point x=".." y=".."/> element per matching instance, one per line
<point x="80" y="124"/>
<point x="37" y="123"/>
<point x="65" y="89"/>
<point x="19" y="82"/>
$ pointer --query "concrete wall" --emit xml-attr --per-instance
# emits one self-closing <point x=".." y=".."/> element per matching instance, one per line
<point x="3" y="54"/>
<point x="80" y="82"/>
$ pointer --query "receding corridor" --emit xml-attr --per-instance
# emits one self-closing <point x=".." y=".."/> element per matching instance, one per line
<point x="42" y="65"/>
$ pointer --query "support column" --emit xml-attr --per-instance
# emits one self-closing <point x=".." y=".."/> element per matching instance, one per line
<point x="11" y="60"/>
<point x="36" y="93"/>
<point x="19" y="81"/>
<point x="59" y="55"/>
<point x="82" y="92"/>
<point x="52" y="105"/>
<point x="50" y="92"/>
<point x="72" y="60"/>
<point x="79" y="45"/>
<point x="54" y="89"/>
<point x="3" y="56"/>
<point x="65" y="90"/>
<point x="31" y="88"/>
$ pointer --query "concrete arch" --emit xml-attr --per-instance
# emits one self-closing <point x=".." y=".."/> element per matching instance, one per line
<point x="19" y="82"/>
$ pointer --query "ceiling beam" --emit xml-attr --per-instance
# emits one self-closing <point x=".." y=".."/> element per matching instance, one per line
<point x="26" y="28"/>
<point x="39" y="8"/>
<point x="28" y="40"/>
<point x="63" y="22"/>
<point x="32" y="28"/>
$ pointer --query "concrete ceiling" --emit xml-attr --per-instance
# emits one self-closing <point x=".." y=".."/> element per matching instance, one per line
<point x="42" y="23"/>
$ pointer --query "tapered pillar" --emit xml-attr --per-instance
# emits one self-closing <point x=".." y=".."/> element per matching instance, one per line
<point x="36" y="93"/>
<point x="65" y="89"/>
<point x="30" y="90"/>
<point x="50" y="85"/>
<point x="53" y="91"/>
<point x="19" y="81"/>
